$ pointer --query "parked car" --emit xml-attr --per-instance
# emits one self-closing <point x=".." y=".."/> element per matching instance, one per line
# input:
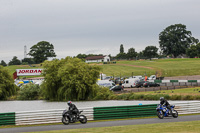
<point x="130" y="82"/>
<point x="117" y="88"/>
<point x="150" y="84"/>
<point x="152" y="77"/>
<point x="140" y="84"/>
<point x="106" y="83"/>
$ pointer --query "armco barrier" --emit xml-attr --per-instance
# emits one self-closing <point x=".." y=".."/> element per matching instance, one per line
<point x="7" y="118"/>
<point x="96" y="113"/>
<point x="117" y="112"/>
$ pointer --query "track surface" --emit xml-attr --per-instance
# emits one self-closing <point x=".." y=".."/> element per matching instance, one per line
<point x="100" y="124"/>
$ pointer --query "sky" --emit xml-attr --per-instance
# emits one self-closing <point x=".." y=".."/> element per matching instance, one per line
<point x="90" y="26"/>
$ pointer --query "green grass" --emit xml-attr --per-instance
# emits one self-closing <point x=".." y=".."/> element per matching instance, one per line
<point x="116" y="70"/>
<point x="164" y="67"/>
<point x="167" y="67"/>
<point x="185" y="91"/>
<point x="173" y="127"/>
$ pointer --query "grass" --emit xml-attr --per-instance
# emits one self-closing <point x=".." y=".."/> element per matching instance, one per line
<point x="166" y="67"/>
<point x="172" y="127"/>
<point x="117" y="70"/>
<point x="185" y="91"/>
<point x="163" y="67"/>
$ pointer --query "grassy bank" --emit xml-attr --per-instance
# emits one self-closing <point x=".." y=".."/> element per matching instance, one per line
<point x="178" y="94"/>
<point x="166" y="67"/>
<point x="182" y="127"/>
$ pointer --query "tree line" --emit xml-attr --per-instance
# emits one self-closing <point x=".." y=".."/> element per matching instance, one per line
<point x="175" y="40"/>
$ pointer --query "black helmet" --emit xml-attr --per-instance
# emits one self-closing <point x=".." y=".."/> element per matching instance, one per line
<point x="69" y="103"/>
<point x="161" y="98"/>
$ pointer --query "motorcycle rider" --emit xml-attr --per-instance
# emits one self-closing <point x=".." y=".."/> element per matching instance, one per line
<point x="74" y="110"/>
<point x="163" y="102"/>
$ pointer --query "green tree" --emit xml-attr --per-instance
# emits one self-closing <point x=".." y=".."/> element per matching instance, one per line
<point x="121" y="50"/>
<point x="29" y="92"/>
<point x="69" y="79"/>
<point x="175" y="39"/>
<point x="150" y="51"/>
<point x="121" y="56"/>
<point x="7" y="86"/>
<point x="3" y="63"/>
<point x="14" y="61"/>
<point x="131" y="53"/>
<point x="141" y="55"/>
<point x="81" y="56"/>
<point x="41" y="51"/>
<point x="198" y="50"/>
<point x="28" y="60"/>
<point x="192" y="51"/>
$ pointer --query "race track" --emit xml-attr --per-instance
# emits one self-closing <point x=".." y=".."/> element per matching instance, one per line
<point x="100" y="124"/>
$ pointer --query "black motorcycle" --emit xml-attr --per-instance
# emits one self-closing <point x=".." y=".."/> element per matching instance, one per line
<point x="68" y="117"/>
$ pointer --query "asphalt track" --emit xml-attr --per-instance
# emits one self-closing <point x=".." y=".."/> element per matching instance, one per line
<point x="99" y="124"/>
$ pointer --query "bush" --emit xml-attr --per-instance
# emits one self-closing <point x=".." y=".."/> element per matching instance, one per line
<point x="188" y="97"/>
<point x="103" y="93"/>
<point x="29" y="92"/>
<point x="175" y="97"/>
<point x="7" y="86"/>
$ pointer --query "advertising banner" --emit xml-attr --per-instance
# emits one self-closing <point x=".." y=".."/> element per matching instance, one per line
<point x="28" y="72"/>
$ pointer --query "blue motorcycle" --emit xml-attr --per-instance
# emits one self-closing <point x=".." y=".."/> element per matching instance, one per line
<point x="162" y="111"/>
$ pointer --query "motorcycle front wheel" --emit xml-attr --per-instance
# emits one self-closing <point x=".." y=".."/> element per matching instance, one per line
<point x="65" y="120"/>
<point x="174" y="113"/>
<point x="83" y="119"/>
<point x="160" y="114"/>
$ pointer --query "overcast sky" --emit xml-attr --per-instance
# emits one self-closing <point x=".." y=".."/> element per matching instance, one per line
<point x="90" y="26"/>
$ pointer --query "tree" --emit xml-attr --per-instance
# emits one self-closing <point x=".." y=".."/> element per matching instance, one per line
<point x="28" y="60"/>
<point x="29" y="92"/>
<point x="121" y="50"/>
<point x="14" y="61"/>
<point x="41" y="51"/>
<point x="7" y="86"/>
<point x="81" y="56"/>
<point x="192" y="51"/>
<point x="3" y="63"/>
<point x="131" y="53"/>
<point x="150" y="51"/>
<point x="175" y="39"/>
<point x="121" y="54"/>
<point x="69" y="79"/>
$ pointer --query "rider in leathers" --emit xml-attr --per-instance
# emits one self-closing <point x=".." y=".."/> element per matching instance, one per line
<point x="74" y="110"/>
<point x="165" y="102"/>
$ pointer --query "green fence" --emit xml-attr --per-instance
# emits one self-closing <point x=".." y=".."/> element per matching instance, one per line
<point x="7" y="118"/>
<point x="118" y="112"/>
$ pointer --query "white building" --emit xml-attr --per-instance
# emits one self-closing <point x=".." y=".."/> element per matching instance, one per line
<point x="105" y="58"/>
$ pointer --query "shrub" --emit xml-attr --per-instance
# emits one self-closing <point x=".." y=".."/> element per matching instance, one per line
<point x="175" y="97"/>
<point x="29" y="92"/>
<point x="188" y="97"/>
<point x="103" y="93"/>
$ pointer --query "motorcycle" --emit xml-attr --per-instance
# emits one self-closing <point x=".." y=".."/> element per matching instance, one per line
<point x="68" y="117"/>
<point x="162" y="111"/>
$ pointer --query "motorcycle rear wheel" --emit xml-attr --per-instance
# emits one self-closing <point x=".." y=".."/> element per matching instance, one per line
<point x="160" y="114"/>
<point x="83" y="119"/>
<point x="175" y="115"/>
<point x="65" y="120"/>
